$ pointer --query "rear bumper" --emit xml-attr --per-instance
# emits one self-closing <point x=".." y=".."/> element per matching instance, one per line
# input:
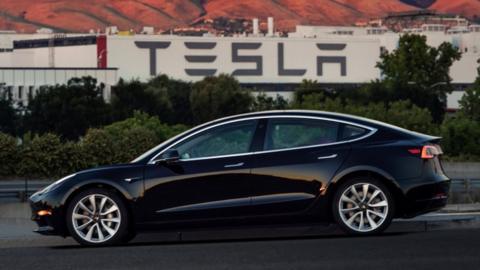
<point x="426" y="197"/>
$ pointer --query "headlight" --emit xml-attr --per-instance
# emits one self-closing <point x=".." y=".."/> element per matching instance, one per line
<point x="55" y="184"/>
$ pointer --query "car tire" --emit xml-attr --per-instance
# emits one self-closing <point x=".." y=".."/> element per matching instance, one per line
<point x="358" y="214"/>
<point x="98" y="217"/>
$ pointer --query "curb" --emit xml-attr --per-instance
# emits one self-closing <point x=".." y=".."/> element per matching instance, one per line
<point x="463" y="208"/>
<point x="438" y="221"/>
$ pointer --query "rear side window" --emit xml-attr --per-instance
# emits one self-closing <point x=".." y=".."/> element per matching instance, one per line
<point x="351" y="132"/>
<point x="292" y="132"/>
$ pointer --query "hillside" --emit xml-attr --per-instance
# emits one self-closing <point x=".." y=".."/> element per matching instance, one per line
<point x="83" y="15"/>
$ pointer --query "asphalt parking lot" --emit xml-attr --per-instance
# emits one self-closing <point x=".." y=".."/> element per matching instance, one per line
<point x="406" y="246"/>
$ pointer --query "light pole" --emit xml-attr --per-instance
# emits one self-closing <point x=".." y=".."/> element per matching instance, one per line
<point x="431" y="86"/>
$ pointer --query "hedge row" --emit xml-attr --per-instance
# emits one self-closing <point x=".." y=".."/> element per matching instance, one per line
<point x="400" y="113"/>
<point x="47" y="156"/>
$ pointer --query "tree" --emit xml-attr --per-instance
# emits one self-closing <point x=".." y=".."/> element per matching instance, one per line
<point x="128" y="97"/>
<point x="161" y="96"/>
<point x="309" y="87"/>
<point x="263" y="102"/>
<point x="419" y="72"/>
<point x="8" y="114"/>
<point x="8" y="155"/>
<point x="215" y="97"/>
<point x="470" y="102"/>
<point x="178" y="93"/>
<point x="68" y="110"/>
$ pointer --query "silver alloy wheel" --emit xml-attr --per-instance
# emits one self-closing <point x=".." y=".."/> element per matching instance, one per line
<point x="96" y="218"/>
<point x="363" y="207"/>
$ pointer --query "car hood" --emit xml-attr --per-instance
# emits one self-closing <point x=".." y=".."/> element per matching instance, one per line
<point x="106" y="168"/>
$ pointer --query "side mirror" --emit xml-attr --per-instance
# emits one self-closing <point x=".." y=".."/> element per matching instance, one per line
<point x="170" y="156"/>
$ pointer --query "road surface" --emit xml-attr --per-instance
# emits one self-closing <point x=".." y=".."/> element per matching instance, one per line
<point x="414" y="249"/>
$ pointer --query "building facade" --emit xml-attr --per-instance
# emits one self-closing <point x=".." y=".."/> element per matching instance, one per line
<point x="330" y="55"/>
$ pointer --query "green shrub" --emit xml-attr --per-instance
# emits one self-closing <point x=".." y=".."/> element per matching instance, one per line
<point x="461" y="138"/>
<point x="98" y="146"/>
<point x="123" y="141"/>
<point x="72" y="158"/>
<point x="400" y="113"/>
<point x="8" y="155"/>
<point x="134" y="142"/>
<point x="162" y="131"/>
<point x="40" y="156"/>
<point x="407" y="115"/>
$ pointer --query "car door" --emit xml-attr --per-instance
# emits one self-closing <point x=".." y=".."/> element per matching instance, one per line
<point x="210" y="180"/>
<point x="299" y="157"/>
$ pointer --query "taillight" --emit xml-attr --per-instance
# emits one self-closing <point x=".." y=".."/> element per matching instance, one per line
<point x="415" y="151"/>
<point x="427" y="151"/>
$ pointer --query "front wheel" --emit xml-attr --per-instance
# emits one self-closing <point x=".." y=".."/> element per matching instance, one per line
<point x="97" y="217"/>
<point x="363" y="206"/>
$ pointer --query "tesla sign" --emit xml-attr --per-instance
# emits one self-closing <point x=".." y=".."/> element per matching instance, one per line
<point x="250" y="60"/>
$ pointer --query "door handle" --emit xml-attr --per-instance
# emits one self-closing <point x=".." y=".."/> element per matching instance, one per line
<point x="133" y="179"/>
<point x="328" y="157"/>
<point x="240" y="164"/>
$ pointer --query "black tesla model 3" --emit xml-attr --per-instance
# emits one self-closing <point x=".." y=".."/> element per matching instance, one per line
<point x="276" y="167"/>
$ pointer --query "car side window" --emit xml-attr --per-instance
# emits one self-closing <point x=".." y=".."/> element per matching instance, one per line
<point x="292" y="132"/>
<point x="229" y="139"/>
<point x="351" y="132"/>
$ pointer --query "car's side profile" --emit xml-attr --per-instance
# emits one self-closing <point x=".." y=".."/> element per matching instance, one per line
<point x="275" y="167"/>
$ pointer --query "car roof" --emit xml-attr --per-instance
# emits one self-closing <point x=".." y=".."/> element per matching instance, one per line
<point x="333" y="115"/>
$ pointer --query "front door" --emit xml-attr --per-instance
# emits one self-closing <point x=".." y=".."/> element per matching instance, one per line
<point x="211" y="179"/>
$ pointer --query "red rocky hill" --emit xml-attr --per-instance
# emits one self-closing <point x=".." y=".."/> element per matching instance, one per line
<point x="83" y="15"/>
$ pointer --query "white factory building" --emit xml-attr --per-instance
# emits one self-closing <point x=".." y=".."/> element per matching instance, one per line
<point x="330" y="55"/>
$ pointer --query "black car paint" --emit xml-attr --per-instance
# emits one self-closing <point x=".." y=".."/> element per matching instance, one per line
<point x="293" y="185"/>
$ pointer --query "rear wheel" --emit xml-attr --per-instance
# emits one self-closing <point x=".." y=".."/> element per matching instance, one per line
<point x="98" y="217"/>
<point x="363" y="206"/>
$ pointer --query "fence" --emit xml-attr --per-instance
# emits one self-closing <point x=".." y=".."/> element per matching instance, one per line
<point x="20" y="189"/>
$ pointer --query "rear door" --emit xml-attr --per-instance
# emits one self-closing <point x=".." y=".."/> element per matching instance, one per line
<point x="299" y="157"/>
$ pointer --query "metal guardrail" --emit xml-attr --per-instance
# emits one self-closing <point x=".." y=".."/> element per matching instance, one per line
<point x="20" y="189"/>
<point x="23" y="189"/>
<point x="465" y="184"/>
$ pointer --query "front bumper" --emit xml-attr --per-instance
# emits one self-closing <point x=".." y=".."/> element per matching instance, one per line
<point x="51" y="224"/>
<point x="45" y="230"/>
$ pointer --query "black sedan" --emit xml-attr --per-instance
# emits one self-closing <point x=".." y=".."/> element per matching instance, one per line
<point x="277" y="167"/>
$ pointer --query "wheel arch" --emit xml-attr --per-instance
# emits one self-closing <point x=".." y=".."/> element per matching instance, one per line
<point x="98" y="183"/>
<point x="367" y="171"/>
